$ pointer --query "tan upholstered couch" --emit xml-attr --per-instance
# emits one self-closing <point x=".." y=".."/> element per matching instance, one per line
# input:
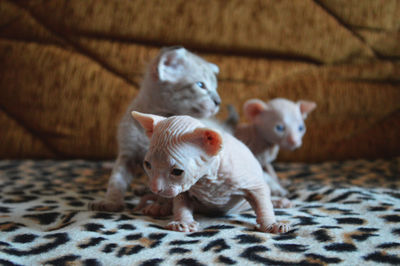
<point x="69" y="68"/>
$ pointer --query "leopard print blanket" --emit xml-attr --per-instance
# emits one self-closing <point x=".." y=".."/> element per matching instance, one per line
<point x="345" y="213"/>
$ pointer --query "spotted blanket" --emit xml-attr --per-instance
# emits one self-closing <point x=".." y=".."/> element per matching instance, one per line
<point x="345" y="213"/>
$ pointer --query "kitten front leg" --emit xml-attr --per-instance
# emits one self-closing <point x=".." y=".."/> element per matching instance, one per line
<point x="269" y="169"/>
<point x="270" y="175"/>
<point x="272" y="180"/>
<point x="260" y="201"/>
<point x="120" y="179"/>
<point x="183" y="215"/>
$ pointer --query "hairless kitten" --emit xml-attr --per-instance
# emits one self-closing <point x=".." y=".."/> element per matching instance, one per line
<point x="276" y="124"/>
<point x="204" y="170"/>
<point x="176" y="82"/>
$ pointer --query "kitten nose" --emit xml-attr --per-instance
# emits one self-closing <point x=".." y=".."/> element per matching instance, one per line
<point x="155" y="186"/>
<point x="216" y="99"/>
<point x="293" y="141"/>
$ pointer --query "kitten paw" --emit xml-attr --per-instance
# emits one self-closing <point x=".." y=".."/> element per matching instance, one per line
<point x="278" y="191"/>
<point x="282" y="203"/>
<point x="285" y="182"/>
<point x="183" y="226"/>
<point x="108" y="206"/>
<point x="275" y="228"/>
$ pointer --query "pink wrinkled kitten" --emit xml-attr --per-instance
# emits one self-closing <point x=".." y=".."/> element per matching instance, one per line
<point x="204" y="171"/>
<point x="276" y="124"/>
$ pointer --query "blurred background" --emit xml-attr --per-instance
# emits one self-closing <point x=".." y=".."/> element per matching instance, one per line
<point x="69" y="68"/>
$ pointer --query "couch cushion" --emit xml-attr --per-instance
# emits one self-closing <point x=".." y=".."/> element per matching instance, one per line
<point x="70" y="68"/>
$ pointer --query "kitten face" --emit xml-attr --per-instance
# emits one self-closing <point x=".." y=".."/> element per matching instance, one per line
<point x="189" y="84"/>
<point x="282" y="122"/>
<point x="181" y="152"/>
<point x="171" y="173"/>
<point x="282" y="127"/>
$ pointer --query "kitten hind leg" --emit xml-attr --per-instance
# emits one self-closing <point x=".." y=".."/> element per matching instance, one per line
<point x="154" y="206"/>
<point x="120" y="179"/>
<point x="261" y="202"/>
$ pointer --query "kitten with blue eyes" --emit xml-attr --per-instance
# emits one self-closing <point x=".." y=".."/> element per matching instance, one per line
<point x="176" y="82"/>
<point x="276" y="124"/>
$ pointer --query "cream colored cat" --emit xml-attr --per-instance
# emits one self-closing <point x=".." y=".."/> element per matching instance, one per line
<point x="176" y="82"/>
<point x="204" y="170"/>
<point x="276" y="124"/>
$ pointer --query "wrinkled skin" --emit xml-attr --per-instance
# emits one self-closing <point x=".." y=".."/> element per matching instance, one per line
<point x="204" y="170"/>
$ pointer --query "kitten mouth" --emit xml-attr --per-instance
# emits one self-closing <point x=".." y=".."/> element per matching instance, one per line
<point x="290" y="147"/>
<point x="166" y="194"/>
<point x="215" y="110"/>
<point x="195" y="110"/>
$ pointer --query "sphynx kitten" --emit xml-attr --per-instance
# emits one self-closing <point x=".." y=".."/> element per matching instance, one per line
<point x="176" y="82"/>
<point x="276" y="124"/>
<point x="204" y="171"/>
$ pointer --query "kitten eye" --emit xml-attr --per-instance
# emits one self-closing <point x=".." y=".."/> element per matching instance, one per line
<point x="201" y="84"/>
<point x="176" y="171"/>
<point x="147" y="164"/>
<point x="280" y="128"/>
<point x="301" y="128"/>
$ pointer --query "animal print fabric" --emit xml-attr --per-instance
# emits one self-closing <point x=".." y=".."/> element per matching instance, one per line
<point x="345" y="213"/>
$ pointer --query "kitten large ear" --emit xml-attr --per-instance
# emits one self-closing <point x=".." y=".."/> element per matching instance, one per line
<point x="210" y="140"/>
<point x="214" y="68"/>
<point x="147" y="121"/>
<point x="253" y="108"/>
<point x="306" y="107"/>
<point x="171" y="65"/>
